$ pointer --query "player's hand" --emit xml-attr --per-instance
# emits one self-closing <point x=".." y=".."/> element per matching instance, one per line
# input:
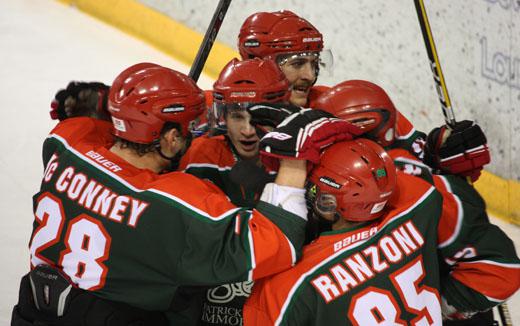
<point x="266" y="116"/>
<point x="462" y="151"/>
<point x="81" y="99"/>
<point x="303" y="135"/>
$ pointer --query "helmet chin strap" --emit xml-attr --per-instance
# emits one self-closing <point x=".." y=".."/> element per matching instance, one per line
<point x="175" y="160"/>
<point x="326" y="221"/>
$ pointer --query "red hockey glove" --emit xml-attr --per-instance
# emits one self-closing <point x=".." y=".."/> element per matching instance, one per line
<point x="303" y="135"/>
<point x="80" y="99"/>
<point x="462" y="151"/>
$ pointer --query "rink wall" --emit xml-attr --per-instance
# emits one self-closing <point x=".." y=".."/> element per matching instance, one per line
<point x="478" y="43"/>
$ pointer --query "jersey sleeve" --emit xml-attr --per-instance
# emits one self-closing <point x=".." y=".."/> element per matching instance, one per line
<point x="206" y="159"/>
<point x="268" y="303"/>
<point x="88" y="131"/>
<point x="408" y="138"/>
<point x="222" y="243"/>
<point x="482" y="267"/>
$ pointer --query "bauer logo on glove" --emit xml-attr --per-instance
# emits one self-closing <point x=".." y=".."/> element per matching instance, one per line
<point x="303" y="135"/>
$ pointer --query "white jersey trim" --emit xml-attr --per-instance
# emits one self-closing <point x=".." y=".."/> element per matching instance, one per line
<point x="208" y="165"/>
<point x="133" y="188"/>
<point x="460" y="215"/>
<point x="408" y="135"/>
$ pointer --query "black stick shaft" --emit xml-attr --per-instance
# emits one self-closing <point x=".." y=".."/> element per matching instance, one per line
<point x="209" y="39"/>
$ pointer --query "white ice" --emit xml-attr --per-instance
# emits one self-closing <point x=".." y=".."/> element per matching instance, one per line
<point x="44" y="45"/>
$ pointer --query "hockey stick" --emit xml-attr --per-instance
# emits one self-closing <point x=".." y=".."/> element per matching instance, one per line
<point x="209" y="39"/>
<point x="444" y="98"/>
<point x="435" y="65"/>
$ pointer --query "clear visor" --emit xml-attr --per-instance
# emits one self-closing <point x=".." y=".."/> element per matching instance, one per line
<point x="196" y="128"/>
<point x="219" y="110"/>
<point x="323" y="61"/>
<point x="325" y="203"/>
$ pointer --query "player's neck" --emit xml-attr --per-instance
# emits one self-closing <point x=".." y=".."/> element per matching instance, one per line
<point x="151" y="161"/>
<point x="343" y="224"/>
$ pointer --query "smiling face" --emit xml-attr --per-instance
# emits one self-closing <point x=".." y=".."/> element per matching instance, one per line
<point x="242" y="134"/>
<point x="300" y="70"/>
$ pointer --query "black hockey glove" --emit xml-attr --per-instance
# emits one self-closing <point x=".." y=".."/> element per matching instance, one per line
<point x="81" y="99"/>
<point x="462" y="151"/>
<point x="303" y="135"/>
<point x="266" y="116"/>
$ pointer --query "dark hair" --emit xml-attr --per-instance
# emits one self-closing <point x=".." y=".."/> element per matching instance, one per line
<point x="143" y="149"/>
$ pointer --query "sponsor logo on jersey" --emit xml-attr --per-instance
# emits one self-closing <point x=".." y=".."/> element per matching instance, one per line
<point x="330" y="182"/>
<point x="227" y="292"/>
<point x="252" y="43"/>
<point x="173" y="109"/>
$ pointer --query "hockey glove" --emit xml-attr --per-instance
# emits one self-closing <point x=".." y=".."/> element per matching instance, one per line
<point x="303" y="135"/>
<point x="462" y="151"/>
<point x="266" y="116"/>
<point x="81" y="99"/>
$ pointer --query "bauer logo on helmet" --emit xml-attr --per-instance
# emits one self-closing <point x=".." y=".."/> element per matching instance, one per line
<point x="173" y="109"/>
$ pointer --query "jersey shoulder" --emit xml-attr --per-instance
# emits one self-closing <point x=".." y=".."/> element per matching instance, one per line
<point x="84" y="130"/>
<point x="409" y="190"/>
<point x="208" y="150"/>
<point x="197" y="194"/>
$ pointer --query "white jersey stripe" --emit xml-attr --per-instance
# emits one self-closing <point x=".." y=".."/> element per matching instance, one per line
<point x="133" y="188"/>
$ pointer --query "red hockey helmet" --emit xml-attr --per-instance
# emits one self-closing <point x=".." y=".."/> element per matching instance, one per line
<point x="355" y="179"/>
<point x="145" y="96"/>
<point x="252" y="80"/>
<point x="270" y="33"/>
<point x="364" y="104"/>
<point x="249" y="81"/>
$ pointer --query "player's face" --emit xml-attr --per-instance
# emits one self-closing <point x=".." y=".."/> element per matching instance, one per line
<point x="242" y="134"/>
<point x="301" y="73"/>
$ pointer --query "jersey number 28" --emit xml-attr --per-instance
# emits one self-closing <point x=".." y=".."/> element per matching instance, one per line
<point x="86" y="240"/>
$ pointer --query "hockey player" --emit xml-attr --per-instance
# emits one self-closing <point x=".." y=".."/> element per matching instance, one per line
<point x="462" y="151"/>
<point x="297" y="46"/>
<point x="293" y="43"/>
<point x="115" y="238"/>
<point x="221" y="159"/>
<point x="403" y="249"/>
<point x="369" y="106"/>
<point x="240" y="84"/>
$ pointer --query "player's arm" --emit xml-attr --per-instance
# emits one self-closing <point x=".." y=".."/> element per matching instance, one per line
<point x="482" y="267"/>
<point x="205" y="159"/>
<point x="270" y="237"/>
<point x="408" y="138"/>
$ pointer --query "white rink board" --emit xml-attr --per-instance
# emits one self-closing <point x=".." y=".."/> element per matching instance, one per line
<point x="44" y="45"/>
